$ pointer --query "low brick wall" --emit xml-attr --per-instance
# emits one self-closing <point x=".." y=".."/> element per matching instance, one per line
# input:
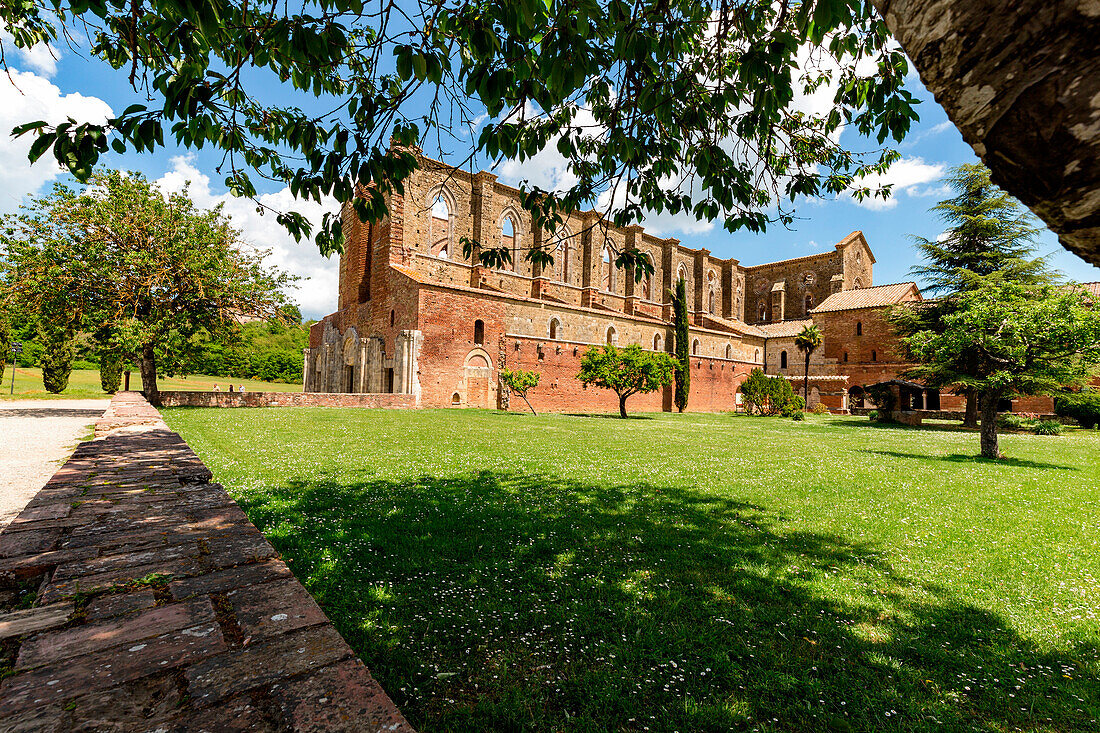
<point x="285" y="399"/>
<point x="159" y="606"/>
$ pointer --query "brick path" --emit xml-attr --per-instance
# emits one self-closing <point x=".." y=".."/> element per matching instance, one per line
<point x="159" y="607"/>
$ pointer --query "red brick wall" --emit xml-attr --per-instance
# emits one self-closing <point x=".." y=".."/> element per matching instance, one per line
<point x="284" y="399"/>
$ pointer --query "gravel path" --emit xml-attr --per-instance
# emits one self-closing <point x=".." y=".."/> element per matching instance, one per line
<point x="36" y="436"/>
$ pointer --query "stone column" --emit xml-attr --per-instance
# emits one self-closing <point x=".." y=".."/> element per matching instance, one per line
<point x="376" y="354"/>
<point x="668" y="276"/>
<point x="633" y="239"/>
<point x="481" y="209"/>
<point x="699" y="293"/>
<point x="591" y="244"/>
<point x="406" y="366"/>
<point x="306" y="371"/>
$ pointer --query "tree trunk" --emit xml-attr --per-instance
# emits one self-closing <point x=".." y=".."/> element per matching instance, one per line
<point x="806" y="384"/>
<point x="622" y="405"/>
<point x="970" y="417"/>
<point x="1022" y="61"/>
<point x="529" y="405"/>
<point x="989" y="425"/>
<point x="126" y="386"/>
<point x="149" y="375"/>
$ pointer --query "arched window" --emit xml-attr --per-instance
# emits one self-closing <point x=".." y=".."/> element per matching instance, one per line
<point x="763" y="312"/>
<point x="711" y="304"/>
<point x="729" y="351"/>
<point x="561" y="255"/>
<point x="645" y="287"/>
<point x="712" y="299"/>
<point x="874" y="355"/>
<point x="845" y="356"/>
<point x="393" y="315"/>
<point x="508" y="237"/>
<point x="695" y="347"/>
<point x="607" y="268"/>
<point x="809" y="302"/>
<point x="756" y="356"/>
<point x="682" y="273"/>
<point x="859" y="328"/>
<point x="656" y="342"/>
<point x="857" y="284"/>
<point x="456" y="399"/>
<point x="479" y="331"/>
<point x="439" y="229"/>
<point x="782" y="359"/>
<point x="612" y="336"/>
<point x="555" y="328"/>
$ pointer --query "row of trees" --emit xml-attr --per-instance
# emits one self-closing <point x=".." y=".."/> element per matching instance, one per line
<point x="153" y="279"/>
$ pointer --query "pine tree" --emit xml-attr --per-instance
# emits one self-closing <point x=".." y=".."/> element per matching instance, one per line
<point x="683" y="363"/>
<point x="57" y="355"/>
<point x="988" y="233"/>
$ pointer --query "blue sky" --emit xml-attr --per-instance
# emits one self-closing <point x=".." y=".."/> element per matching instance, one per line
<point x="45" y="85"/>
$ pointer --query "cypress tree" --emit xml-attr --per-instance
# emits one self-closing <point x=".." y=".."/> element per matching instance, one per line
<point x="110" y="372"/>
<point x="57" y="356"/>
<point x="680" y="327"/>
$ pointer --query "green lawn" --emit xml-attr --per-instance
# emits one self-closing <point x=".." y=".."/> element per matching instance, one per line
<point x="84" y="384"/>
<point x="685" y="572"/>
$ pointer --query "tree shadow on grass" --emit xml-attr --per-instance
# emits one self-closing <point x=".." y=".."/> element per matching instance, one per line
<point x="609" y="415"/>
<point x="959" y="458"/>
<point x="500" y="601"/>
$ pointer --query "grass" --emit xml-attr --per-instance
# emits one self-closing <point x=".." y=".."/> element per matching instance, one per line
<point x="84" y="384"/>
<point x="685" y="572"/>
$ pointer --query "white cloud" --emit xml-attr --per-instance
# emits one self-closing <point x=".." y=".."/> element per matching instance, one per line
<point x="906" y="176"/>
<point x="316" y="296"/>
<point x="41" y="58"/>
<point x="29" y="97"/>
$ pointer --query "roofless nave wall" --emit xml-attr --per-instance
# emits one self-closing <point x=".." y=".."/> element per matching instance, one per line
<point x="416" y="317"/>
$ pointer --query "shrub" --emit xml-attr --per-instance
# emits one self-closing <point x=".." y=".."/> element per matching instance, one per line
<point x="794" y="405"/>
<point x="1013" y="421"/>
<point x="1048" y="427"/>
<point x="798" y="416"/>
<point x="819" y="409"/>
<point x="872" y="415"/>
<point x="1083" y="407"/>
<point x="771" y="395"/>
<point x="81" y="364"/>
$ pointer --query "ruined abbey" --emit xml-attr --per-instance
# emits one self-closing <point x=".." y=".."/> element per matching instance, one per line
<point x="417" y="318"/>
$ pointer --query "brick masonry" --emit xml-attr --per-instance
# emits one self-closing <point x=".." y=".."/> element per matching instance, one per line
<point x="285" y="399"/>
<point x="159" y="606"/>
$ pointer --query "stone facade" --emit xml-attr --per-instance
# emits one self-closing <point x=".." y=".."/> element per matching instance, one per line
<point x="417" y="317"/>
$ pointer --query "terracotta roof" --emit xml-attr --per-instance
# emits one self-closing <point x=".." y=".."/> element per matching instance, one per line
<point x="732" y="325"/>
<point x="781" y="329"/>
<point x="1091" y="288"/>
<point x="876" y="297"/>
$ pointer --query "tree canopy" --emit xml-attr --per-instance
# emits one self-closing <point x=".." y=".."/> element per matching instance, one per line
<point x="147" y="272"/>
<point x="1019" y="340"/>
<point x="729" y="110"/>
<point x="988" y="233"/>
<point x="627" y="371"/>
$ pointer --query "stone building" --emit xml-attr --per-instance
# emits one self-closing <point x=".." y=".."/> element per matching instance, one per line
<point x="417" y="317"/>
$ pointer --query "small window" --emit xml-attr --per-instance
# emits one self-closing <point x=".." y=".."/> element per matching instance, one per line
<point x="479" y="331"/>
<point x="809" y="302"/>
<point x="393" y="315"/>
<point x="845" y="356"/>
<point x="763" y="312"/>
<point x="858" y="284"/>
<point x="555" y="328"/>
<point x="874" y="355"/>
<point x="711" y="305"/>
<point x="859" y="328"/>
<point x="612" y="336"/>
<point x="782" y="359"/>
<point x="695" y="347"/>
<point x="756" y="356"/>
<point x="456" y="399"/>
<point x="656" y="342"/>
<point x="729" y="351"/>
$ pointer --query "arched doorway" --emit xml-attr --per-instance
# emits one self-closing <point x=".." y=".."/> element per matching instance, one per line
<point x="478" y="373"/>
